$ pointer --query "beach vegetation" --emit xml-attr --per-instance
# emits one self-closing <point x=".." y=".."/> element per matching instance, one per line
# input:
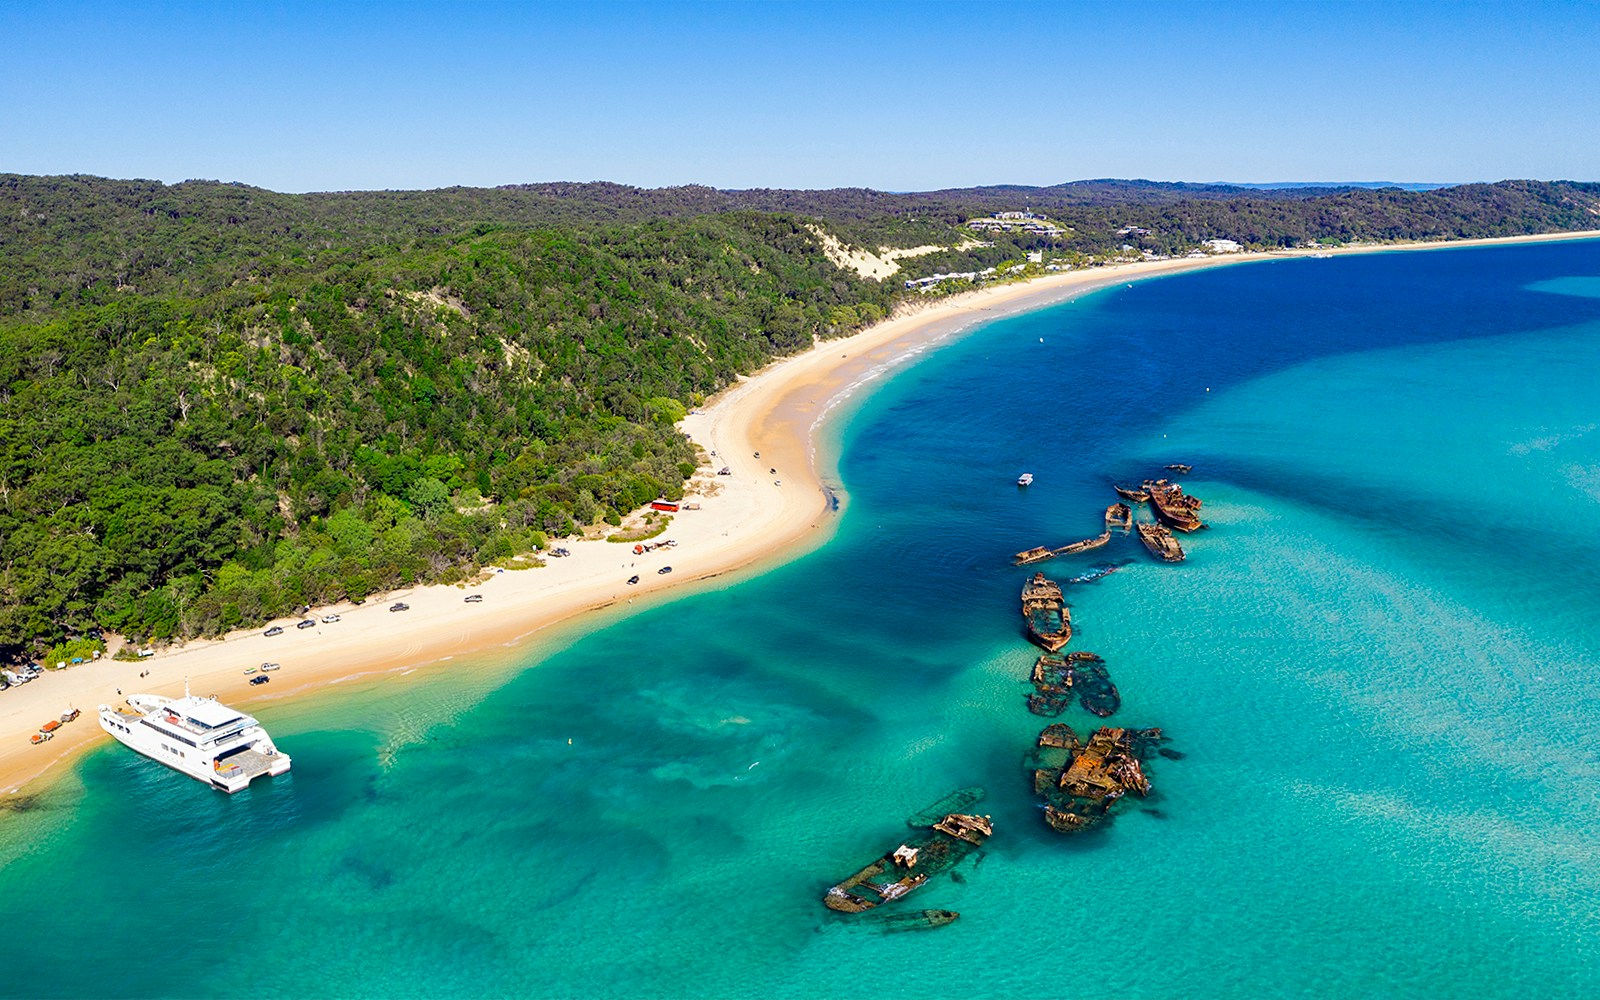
<point x="81" y="648"/>
<point x="218" y="403"/>
<point x="650" y="528"/>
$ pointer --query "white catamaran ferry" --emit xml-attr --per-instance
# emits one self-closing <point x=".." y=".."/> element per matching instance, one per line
<point x="201" y="737"/>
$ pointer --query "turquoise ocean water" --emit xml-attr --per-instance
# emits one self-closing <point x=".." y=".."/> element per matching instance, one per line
<point x="1380" y="663"/>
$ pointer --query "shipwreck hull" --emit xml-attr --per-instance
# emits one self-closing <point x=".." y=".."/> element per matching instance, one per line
<point x="1081" y="782"/>
<point x="1159" y="540"/>
<point x="1045" y="614"/>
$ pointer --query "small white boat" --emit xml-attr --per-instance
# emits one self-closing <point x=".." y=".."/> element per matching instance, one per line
<point x="1026" y="479"/>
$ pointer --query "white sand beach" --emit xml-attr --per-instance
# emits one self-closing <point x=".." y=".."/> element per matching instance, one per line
<point x="753" y="518"/>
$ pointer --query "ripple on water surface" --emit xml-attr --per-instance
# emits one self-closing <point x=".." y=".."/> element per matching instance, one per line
<point x="1379" y="664"/>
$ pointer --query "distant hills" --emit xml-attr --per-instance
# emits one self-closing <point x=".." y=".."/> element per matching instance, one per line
<point x="1339" y="185"/>
<point x="219" y="402"/>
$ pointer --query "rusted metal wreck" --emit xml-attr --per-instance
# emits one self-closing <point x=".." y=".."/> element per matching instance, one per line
<point x="1045" y="613"/>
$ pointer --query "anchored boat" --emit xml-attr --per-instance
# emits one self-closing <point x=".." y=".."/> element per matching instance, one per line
<point x="1045" y="613"/>
<point x="200" y="737"/>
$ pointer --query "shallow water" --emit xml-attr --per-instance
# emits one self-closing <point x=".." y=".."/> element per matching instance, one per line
<point x="1379" y="663"/>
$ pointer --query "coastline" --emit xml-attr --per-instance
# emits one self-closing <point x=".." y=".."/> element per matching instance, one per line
<point x="747" y="520"/>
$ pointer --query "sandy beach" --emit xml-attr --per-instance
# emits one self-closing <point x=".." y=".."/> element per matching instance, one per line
<point x="770" y="508"/>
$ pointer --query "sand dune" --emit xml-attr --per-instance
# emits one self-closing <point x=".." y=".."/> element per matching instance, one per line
<point x="752" y="518"/>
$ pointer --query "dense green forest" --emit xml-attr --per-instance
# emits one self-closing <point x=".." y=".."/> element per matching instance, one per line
<point x="218" y="403"/>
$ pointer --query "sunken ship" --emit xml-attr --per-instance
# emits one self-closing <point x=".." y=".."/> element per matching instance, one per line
<point x="1045" y="613"/>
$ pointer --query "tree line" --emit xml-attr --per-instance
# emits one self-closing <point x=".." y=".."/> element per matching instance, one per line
<point x="219" y="403"/>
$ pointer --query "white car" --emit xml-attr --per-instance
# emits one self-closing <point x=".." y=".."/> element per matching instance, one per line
<point x="329" y="619"/>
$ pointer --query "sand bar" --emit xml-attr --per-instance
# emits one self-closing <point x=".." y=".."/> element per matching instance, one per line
<point x="750" y="519"/>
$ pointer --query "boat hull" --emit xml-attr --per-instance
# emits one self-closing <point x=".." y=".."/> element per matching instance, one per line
<point x="1045" y="614"/>
<point x="125" y="729"/>
<point x="1050" y="642"/>
<point x="1159" y="540"/>
<point x="917" y="920"/>
<point x="1082" y="781"/>
<point x="1172" y="506"/>
<point x="897" y="873"/>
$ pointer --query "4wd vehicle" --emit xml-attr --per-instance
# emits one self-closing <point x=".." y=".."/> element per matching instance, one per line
<point x="473" y="599"/>
<point x="664" y="570"/>
<point x="260" y="679"/>
<point x="632" y="580"/>
<point x="400" y="606"/>
<point x="306" y="623"/>
<point x="274" y="630"/>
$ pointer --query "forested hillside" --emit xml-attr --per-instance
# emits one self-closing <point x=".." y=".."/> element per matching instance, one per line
<point x="219" y="402"/>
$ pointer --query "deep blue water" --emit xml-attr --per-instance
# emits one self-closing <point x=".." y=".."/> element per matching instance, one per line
<point x="1380" y="662"/>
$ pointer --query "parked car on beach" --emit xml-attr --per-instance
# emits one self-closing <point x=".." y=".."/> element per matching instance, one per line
<point x="260" y="679"/>
<point x="400" y="606"/>
<point x="664" y="570"/>
<point x="329" y="619"/>
<point x="473" y="599"/>
<point x="306" y="623"/>
<point x="633" y="580"/>
<point x="274" y="630"/>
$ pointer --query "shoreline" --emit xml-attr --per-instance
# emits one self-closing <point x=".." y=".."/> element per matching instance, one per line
<point x="753" y="519"/>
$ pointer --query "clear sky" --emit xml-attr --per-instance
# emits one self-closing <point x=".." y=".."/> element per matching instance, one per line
<point x="299" y="97"/>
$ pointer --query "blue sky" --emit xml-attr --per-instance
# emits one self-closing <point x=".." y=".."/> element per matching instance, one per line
<point x="299" y="97"/>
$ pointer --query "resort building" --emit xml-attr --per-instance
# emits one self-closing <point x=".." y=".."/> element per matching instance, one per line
<point x="1005" y="222"/>
<point x="924" y="284"/>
